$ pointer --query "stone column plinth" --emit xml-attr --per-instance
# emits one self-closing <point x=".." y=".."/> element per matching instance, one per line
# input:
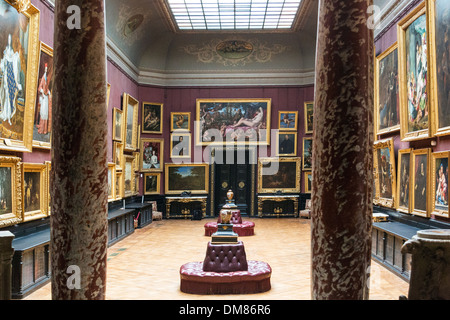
<point x="341" y="216"/>
<point x="430" y="265"/>
<point x="79" y="152"/>
<point x="6" y="254"/>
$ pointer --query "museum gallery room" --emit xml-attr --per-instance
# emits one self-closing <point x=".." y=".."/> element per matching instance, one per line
<point x="224" y="150"/>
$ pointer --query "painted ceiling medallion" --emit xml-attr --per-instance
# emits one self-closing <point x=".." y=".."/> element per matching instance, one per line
<point x="132" y="24"/>
<point x="234" y="49"/>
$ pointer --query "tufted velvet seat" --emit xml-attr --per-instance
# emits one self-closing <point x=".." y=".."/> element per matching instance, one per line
<point x="225" y="270"/>
<point x="242" y="228"/>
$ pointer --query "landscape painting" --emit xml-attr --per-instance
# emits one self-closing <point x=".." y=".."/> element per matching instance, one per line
<point x="186" y="177"/>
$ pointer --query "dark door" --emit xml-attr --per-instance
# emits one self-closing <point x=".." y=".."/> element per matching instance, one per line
<point x="233" y="172"/>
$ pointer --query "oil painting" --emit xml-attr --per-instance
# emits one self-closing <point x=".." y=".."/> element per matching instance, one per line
<point x="279" y="174"/>
<point x="152" y="115"/>
<point x="307" y="153"/>
<point x="130" y="113"/>
<point x="152" y="183"/>
<point x="10" y="191"/>
<point x="404" y="181"/>
<point x="420" y="182"/>
<point x="151" y="154"/>
<point x="386" y="174"/>
<point x="186" y="177"/>
<point x="33" y="190"/>
<point x="180" y="121"/>
<point x="180" y="145"/>
<point x="287" y="120"/>
<point x="117" y="124"/>
<point x="439" y="186"/>
<point x="286" y="143"/>
<point x="309" y="116"/>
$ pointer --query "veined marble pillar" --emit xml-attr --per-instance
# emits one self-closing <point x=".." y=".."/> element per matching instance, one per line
<point x="342" y="151"/>
<point x="79" y="147"/>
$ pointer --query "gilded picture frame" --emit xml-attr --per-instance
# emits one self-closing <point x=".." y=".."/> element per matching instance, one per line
<point x="286" y="143"/>
<point x="10" y="191"/>
<point x="34" y="204"/>
<point x="308" y="107"/>
<point x="151" y="155"/>
<point x="307" y="177"/>
<point x="421" y="182"/>
<point x="136" y="161"/>
<point x="108" y="92"/>
<point x="307" y="153"/>
<point x="386" y="173"/>
<point x="130" y="110"/>
<point x="152" y="183"/>
<point x="152" y="117"/>
<point x="180" y="144"/>
<point x="129" y="185"/>
<point x="119" y="192"/>
<point x="386" y="98"/>
<point x="287" y="120"/>
<point x="117" y="125"/>
<point x="118" y="157"/>
<point x="111" y="181"/>
<point x="438" y="12"/>
<point x="279" y="174"/>
<point x="404" y="181"/>
<point x="180" y="121"/>
<point x="193" y="177"/>
<point x="48" y="169"/>
<point x="415" y="109"/>
<point x="439" y="183"/>
<point x="42" y="124"/>
<point x="17" y="110"/>
<point x="232" y="122"/>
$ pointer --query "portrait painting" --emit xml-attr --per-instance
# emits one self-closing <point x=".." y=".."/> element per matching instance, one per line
<point x="180" y="121"/>
<point x="404" y="181"/>
<point x="279" y="174"/>
<point x="438" y="13"/>
<point x="385" y="168"/>
<point x="180" y="145"/>
<point x="413" y="91"/>
<point x="118" y="155"/>
<point x="440" y="183"/>
<point x="420" y="182"/>
<point x="111" y="180"/>
<point x="387" y="104"/>
<point x="186" y="177"/>
<point x="33" y="190"/>
<point x="119" y="192"/>
<point x="287" y="120"/>
<point x="151" y="154"/>
<point x="130" y="113"/>
<point x="235" y="121"/>
<point x="128" y="176"/>
<point x="117" y="126"/>
<point x="42" y="127"/>
<point x="309" y="116"/>
<point x="152" y="183"/>
<point x="10" y="191"/>
<point x="308" y="181"/>
<point x="307" y="153"/>
<point x="6" y="198"/>
<point x="19" y="64"/>
<point x="286" y="143"/>
<point x="152" y="115"/>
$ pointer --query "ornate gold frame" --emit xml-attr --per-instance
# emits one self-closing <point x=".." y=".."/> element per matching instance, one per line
<point x="26" y="144"/>
<point x="296" y="121"/>
<point x="117" y="111"/>
<point x="188" y="114"/>
<point x="306" y="116"/>
<point x="16" y="214"/>
<point x="277" y="146"/>
<point x="119" y="188"/>
<point x="403" y="94"/>
<point x="305" y="176"/>
<point x="198" y="132"/>
<point x="48" y="169"/>
<point x="413" y="210"/>
<point x="303" y="153"/>
<point x="161" y="154"/>
<point x="262" y="161"/>
<point x="161" y="122"/>
<point x="200" y="191"/>
<point x="43" y="193"/>
<point x="401" y="154"/>
<point x="432" y="71"/>
<point x="433" y="209"/>
<point x="132" y="191"/>
<point x="158" y="182"/>
<point x="378" y="145"/>
<point x="118" y="151"/>
<point x="376" y="114"/>
<point x="112" y="184"/>
<point x="127" y="100"/>
<point x="184" y="134"/>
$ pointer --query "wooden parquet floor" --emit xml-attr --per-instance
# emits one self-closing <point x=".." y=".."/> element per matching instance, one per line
<point x="145" y="265"/>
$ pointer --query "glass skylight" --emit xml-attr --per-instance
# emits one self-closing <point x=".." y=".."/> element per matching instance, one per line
<point x="234" y="14"/>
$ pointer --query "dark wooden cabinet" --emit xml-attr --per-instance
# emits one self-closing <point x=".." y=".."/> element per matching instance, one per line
<point x="120" y="224"/>
<point x="185" y="207"/>
<point x="278" y="205"/>
<point x="143" y="213"/>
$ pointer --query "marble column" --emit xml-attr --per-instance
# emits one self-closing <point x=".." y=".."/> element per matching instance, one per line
<point x="6" y="255"/>
<point x="342" y="152"/>
<point x="79" y="152"/>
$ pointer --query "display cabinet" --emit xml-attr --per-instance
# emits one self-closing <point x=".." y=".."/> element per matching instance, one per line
<point x="278" y="205"/>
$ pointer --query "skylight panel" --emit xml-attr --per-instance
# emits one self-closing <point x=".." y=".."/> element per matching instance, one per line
<point x="234" y="14"/>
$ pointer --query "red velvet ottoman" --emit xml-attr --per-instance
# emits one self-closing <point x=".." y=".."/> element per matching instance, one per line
<point x="242" y="228"/>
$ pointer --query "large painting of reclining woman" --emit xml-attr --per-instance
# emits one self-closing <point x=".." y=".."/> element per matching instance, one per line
<point x="236" y="121"/>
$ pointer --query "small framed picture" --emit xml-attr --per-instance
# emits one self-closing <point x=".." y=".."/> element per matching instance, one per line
<point x="152" y="183"/>
<point x="307" y="154"/>
<point x="308" y="181"/>
<point x="309" y="116"/>
<point x="152" y="115"/>
<point x="286" y="143"/>
<point x="287" y="120"/>
<point x="180" y="145"/>
<point x="117" y="127"/>
<point x="180" y="121"/>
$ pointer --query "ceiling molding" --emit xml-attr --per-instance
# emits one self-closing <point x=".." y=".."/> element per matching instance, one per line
<point x="391" y="14"/>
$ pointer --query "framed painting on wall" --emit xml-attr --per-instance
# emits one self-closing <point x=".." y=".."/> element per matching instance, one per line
<point x="233" y="121"/>
<point x="111" y="181"/>
<point x="384" y="153"/>
<point x="287" y="120"/>
<point x="34" y="191"/>
<point x="307" y="153"/>
<point x="438" y="14"/>
<point x="48" y="169"/>
<point x="117" y="127"/>
<point x="180" y="121"/>
<point x="421" y="182"/>
<point x="186" y="177"/>
<point x="404" y="181"/>
<point x="118" y="155"/>
<point x="309" y="116"/>
<point x="387" y="106"/>
<point x="286" y="143"/>
<point x="10" y="191"/>
<point x="152" y="115"/>
<point x="130" y="114"/>
<point x="439" y="183"/>
<point x="279" y="174"/>
<point x="152" y="183"/>
<point x="119" y="192"/>
<point x="308" y="181"/>
<point x="19" y="64"/>
<point x="416" y="119"/>
<point x="180" y="145"/>
<point x="42" y="127"/>
<point x="152" y="154"/>
<point x="128" y="176"/>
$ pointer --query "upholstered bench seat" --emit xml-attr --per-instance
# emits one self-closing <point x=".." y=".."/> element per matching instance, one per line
<point x="255" y="279"/>
<point x="246" y="228"/>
